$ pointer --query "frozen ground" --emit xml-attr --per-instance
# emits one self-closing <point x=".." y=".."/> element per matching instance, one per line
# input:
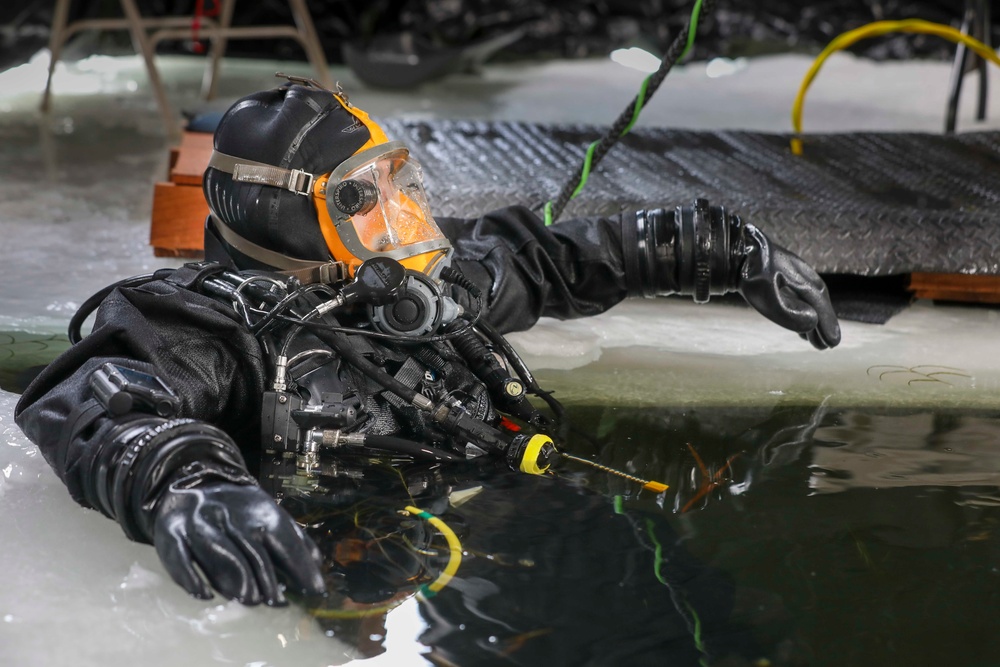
<point x="75" y="197"/>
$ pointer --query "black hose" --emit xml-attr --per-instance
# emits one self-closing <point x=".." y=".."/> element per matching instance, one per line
<point x="395" y="338"/>
<point x="283" y="304"/>
<point x="343" y="347"/>
<point x="454" y="276"/>
<point x="485" y="366"/>
<point x="521" y="369"/>
<point x="91" y="304"/>
<point x="410" y="448"/>
<point x="448" y="274"/>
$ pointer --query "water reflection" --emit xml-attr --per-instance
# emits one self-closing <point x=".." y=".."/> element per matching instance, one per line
<point x="907" y="449"/>
<point x="864" y="524"/>
<point x="552" y="573"/>
<point x="793" y="535"/>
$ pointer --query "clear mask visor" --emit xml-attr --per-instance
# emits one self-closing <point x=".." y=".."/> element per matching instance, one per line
<point x="384" y="200"/>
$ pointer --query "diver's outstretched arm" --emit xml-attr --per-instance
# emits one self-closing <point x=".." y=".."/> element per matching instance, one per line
<point x="582" y="267"/>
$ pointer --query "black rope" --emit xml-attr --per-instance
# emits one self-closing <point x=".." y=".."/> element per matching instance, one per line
<point x="612" y="136"/>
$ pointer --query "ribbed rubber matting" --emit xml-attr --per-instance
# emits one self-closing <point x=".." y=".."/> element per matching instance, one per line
<point x="863" y="203"/>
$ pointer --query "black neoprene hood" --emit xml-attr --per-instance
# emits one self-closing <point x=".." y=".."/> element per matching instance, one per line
<point x="293" y="127"/>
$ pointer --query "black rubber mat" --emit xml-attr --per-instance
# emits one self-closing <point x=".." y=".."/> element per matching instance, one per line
<point x="870" y="204"/>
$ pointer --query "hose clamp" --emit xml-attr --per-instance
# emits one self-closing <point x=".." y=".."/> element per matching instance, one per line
<point x="702" y="251"/>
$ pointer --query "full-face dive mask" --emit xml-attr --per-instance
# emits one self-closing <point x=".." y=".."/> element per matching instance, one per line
<point x="299" y="168"/>
<point x="375" y="206"/>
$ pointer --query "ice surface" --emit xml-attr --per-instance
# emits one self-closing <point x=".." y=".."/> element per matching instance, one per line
<point x="670" y="352"/>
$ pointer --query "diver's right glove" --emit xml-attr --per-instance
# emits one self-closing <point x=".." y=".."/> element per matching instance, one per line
<point x="703" y="250"/>
<point x="182" y="485"/>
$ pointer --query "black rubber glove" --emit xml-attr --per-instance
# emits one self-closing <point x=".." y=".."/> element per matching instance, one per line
<point x="239" y="538"/>
<point x="786" y="290"/>
<point x="183" y="486"/>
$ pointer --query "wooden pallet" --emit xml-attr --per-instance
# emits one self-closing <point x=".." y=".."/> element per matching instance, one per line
<point x="179" y="207"/>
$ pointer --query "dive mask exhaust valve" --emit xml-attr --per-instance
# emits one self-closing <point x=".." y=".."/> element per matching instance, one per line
<point x="378" y="281"/>
<point x="401" y="302"/>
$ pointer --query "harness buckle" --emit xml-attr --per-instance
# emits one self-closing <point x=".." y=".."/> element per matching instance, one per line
<point x="301" y="182"/>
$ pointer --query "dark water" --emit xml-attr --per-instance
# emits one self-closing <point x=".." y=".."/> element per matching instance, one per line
<point x="790" y="535"/>
<point x="23" y="353"/>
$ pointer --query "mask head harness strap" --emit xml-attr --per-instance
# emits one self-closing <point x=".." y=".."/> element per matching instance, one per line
<point x="306" y="271"/>
<point x="248" y="171"/>
<point x="293" y="180"/>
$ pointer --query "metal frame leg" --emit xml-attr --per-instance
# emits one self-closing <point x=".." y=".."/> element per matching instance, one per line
<point x="984" y="25"/>
<point x="975" y="22"/>
<point x="209" y="83"/>
<point x="310" y="42"/>
<point x="56" y="39"/>
<point x="304" y="32"/>
<point x="141" y="42"/>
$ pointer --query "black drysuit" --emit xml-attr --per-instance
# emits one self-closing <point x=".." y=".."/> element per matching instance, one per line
<point x="199" y="345"/>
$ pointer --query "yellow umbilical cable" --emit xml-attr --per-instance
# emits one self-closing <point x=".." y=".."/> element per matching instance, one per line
<point x="454" y="549"/>
<point x="427" y="590"/>
<point x="874" y="30"/>
<point x="378" y="610"/>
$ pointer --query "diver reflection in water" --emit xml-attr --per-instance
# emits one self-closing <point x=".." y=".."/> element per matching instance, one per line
<point x="337" y="323"/>
<point x="550" y="573"/>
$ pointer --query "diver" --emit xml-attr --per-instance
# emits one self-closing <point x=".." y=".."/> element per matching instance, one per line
<point x="335" y="322"/>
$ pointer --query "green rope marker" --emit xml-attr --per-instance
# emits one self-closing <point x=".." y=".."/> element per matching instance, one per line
<point x="658" y="563"/>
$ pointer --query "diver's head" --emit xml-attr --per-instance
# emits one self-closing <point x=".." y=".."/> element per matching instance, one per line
<point x="300" y="176"/>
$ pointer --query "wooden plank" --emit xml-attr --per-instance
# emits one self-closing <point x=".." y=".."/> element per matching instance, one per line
<point x="956" y="287"/>
<point x="193" y="155"/>
<point x="177" y="228"/>
<point x="963" y="297"/>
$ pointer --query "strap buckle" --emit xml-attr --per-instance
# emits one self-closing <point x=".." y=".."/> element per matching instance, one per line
<point x="301" y="182"/>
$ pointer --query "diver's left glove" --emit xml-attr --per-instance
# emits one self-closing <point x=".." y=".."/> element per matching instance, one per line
<point x="703" y="250"/>
<point x="786" y="290"/>
<point x="183" y="486"/>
